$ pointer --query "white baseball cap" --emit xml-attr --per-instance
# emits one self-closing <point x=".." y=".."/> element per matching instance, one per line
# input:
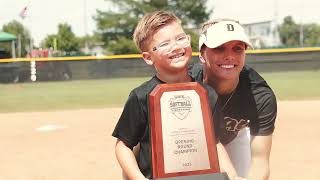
<point x="223" y="32"/>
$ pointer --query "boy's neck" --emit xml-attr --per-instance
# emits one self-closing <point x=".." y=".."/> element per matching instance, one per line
<point x="178" y="77"/>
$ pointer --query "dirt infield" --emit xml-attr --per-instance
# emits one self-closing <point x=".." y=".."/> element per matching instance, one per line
<point x="77" y="145"/>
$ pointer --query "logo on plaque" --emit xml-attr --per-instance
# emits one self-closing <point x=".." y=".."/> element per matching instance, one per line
<point x="180" y="106"/>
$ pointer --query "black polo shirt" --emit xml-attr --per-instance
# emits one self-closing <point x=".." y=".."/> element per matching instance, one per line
<point x="253" y="104"/>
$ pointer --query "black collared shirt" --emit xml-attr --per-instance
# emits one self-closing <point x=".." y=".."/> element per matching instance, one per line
<point x="253" y="104"/>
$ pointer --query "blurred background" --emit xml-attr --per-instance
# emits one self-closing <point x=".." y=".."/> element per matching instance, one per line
<point x="91" y="41"/>
<point x="49" y="41"/>
<point x="75" y="42"/>
<point x="67" y="67"/>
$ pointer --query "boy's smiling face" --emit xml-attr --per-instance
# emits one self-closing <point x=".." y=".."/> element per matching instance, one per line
<point x="175" y="56"/>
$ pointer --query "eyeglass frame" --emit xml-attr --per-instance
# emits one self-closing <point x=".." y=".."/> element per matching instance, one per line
<point x="157" y="47"/>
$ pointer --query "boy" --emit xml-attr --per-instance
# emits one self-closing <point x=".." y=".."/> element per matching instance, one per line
<point x="165" y="46"/>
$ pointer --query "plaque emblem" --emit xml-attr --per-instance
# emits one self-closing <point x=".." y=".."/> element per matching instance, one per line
<point x="180" y="106"/>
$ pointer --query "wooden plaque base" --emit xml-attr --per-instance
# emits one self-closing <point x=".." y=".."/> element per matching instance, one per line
<point x="215" y="176"/>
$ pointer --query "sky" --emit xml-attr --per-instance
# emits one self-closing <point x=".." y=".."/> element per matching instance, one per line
<point x="43" y="16"/>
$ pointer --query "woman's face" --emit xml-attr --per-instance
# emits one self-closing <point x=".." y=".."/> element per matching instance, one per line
<point x="224" y="62"/>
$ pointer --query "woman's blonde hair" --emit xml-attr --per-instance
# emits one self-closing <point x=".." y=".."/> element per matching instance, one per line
<point x="149" y="24"/>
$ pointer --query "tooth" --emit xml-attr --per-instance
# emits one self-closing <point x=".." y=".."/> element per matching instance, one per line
<point x="177" y="56"/>
<point x="227" y="66"/>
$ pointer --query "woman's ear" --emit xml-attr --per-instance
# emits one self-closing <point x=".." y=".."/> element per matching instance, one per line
<point x="147" y="58"/>
<point x="202" y="60"/>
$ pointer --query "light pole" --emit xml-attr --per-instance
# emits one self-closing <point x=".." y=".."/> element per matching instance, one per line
<point x="301" y="34"/>
<point x="85" y="26"/>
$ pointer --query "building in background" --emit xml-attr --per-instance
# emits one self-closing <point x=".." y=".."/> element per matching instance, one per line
<point x="264" y="34"/>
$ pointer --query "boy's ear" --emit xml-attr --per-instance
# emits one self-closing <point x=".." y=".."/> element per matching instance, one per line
<point x="147" y="58"/>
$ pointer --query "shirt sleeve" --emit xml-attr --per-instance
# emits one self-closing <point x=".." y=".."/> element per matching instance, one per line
<point x="132" y="122"/>
<point x="196" y="71"/>
<point x="267" y="113"/>
<point x="212" y="99"/>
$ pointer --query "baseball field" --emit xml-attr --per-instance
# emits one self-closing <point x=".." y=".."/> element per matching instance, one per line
<point x="62" y="130"/>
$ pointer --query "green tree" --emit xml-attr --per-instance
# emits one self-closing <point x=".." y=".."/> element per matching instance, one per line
<point x="16" y="28"/>
<point x="50" y="41"/>
<point x="116" y="26"/>
<point x="289" y="32"/>
<point x="311" y="34"/>
<point x="90" y="41"/>
<point x="65" y="40"/>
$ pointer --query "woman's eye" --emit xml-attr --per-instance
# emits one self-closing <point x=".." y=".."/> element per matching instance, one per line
<point x="238" y="48"/>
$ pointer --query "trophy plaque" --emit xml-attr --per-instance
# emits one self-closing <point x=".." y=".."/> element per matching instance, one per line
<point x="182" y="133"/>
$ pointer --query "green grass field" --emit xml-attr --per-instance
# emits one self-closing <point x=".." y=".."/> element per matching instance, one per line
<point x="47" y="96"/>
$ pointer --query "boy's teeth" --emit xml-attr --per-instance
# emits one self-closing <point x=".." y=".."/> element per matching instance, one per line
<point x="178" y="55"/>
<point x="227" y="66"/>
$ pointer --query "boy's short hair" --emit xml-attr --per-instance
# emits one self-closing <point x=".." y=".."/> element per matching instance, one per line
<point x="149" y="24"/>
<point x="214" y="33"/>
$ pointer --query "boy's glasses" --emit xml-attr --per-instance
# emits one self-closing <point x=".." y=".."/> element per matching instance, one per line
<point x="166" y="46"/>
